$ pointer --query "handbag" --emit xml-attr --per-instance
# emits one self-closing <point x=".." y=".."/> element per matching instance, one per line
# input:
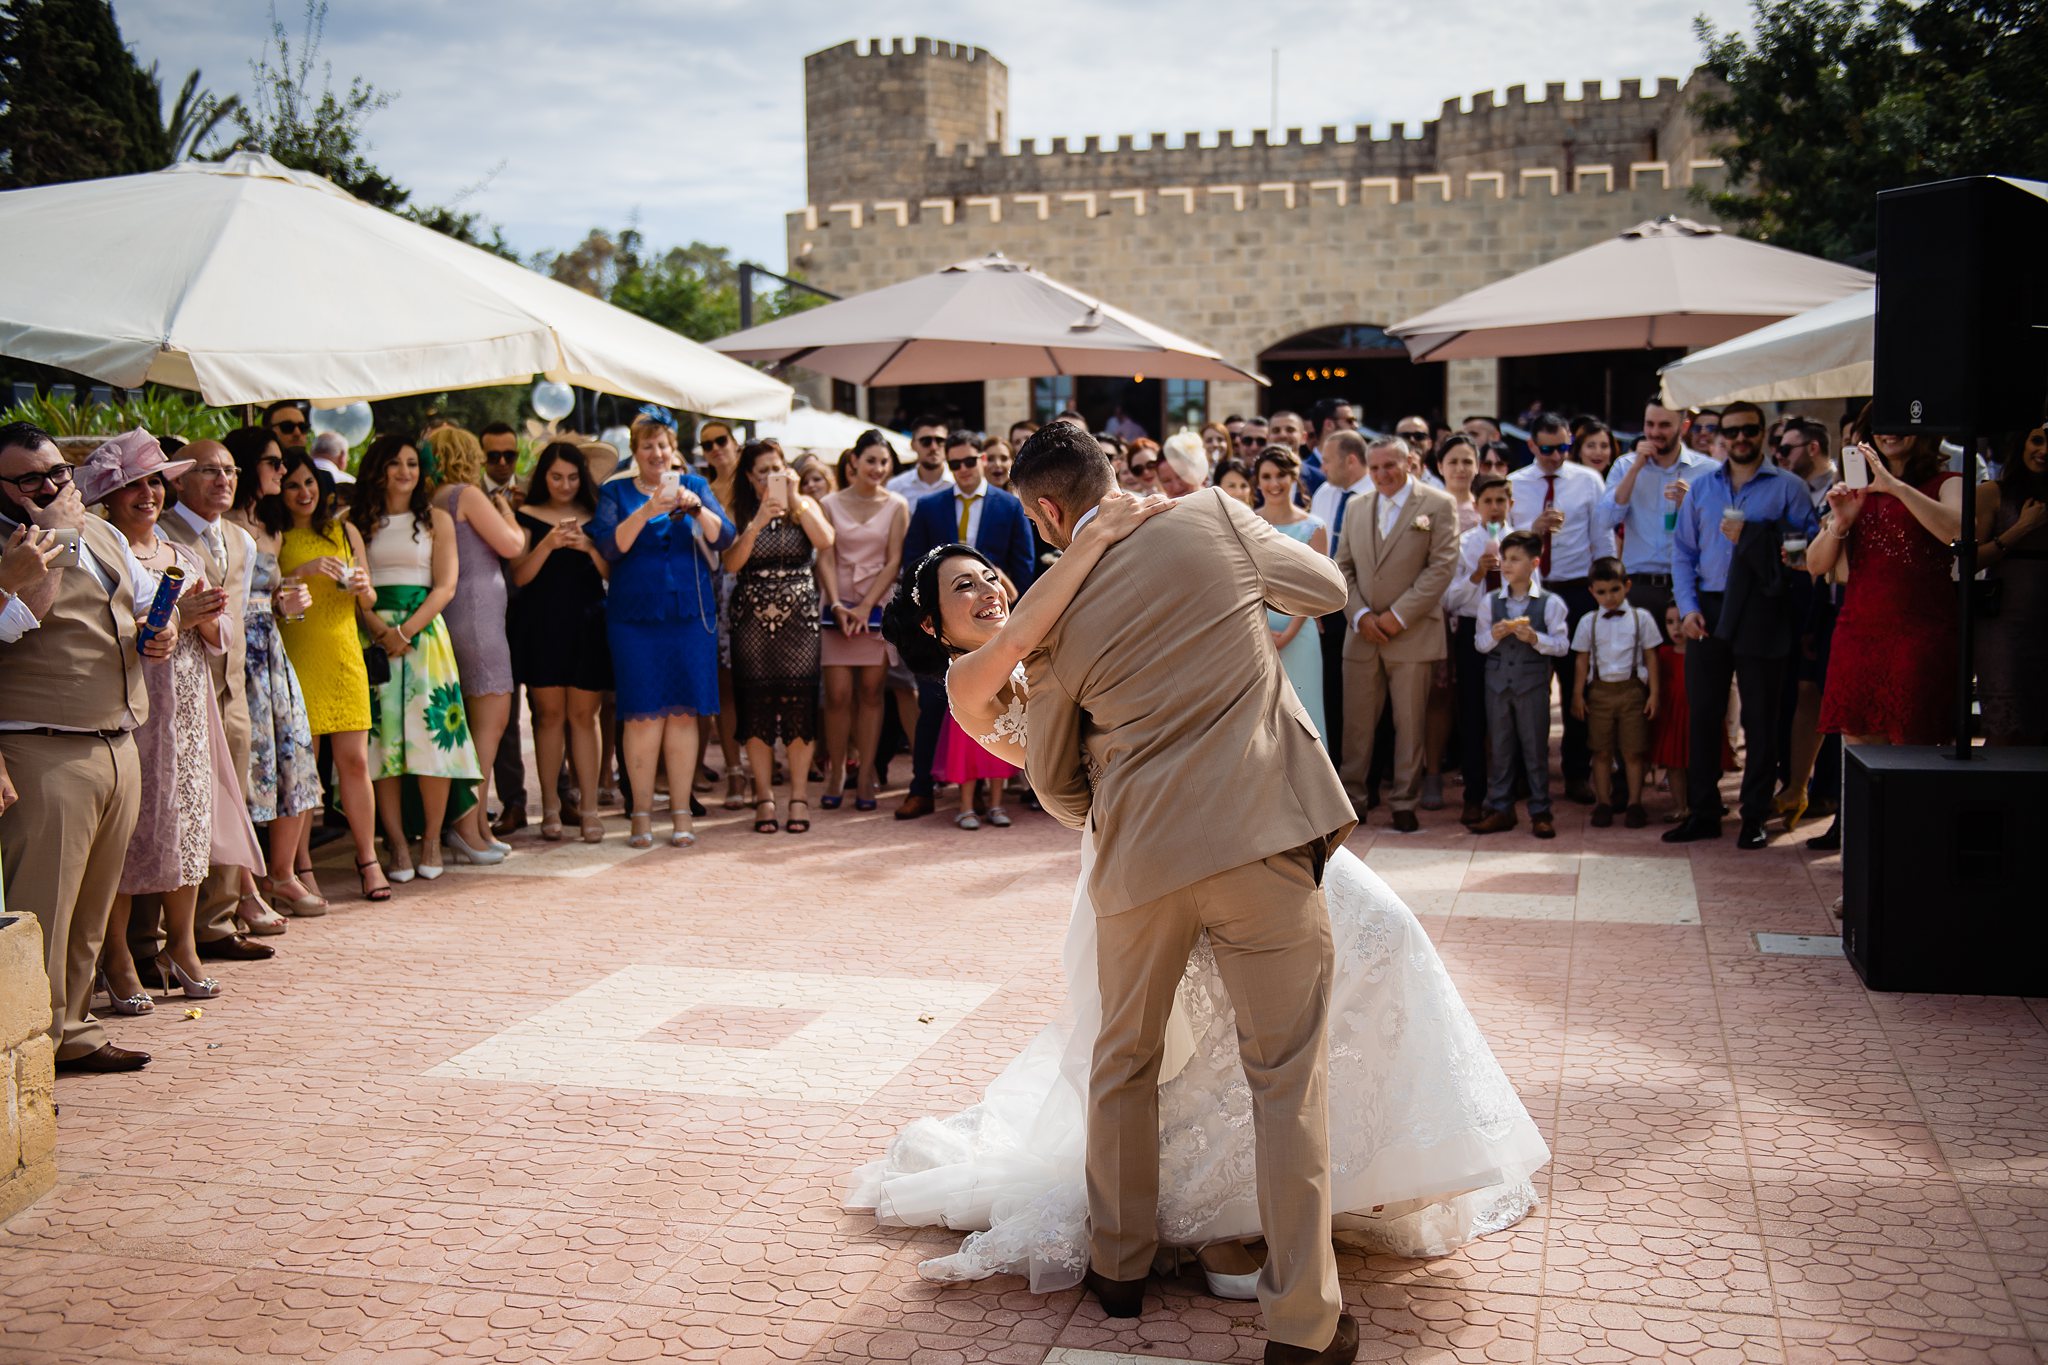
<point x="376" y="663"/>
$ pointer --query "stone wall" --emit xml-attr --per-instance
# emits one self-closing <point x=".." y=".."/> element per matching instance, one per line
<point x="1242" y="267"/>
<point x="28" y="1112"/>
<point x="871" y="117"/>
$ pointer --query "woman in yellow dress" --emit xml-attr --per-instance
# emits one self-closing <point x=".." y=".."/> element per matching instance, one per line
<point x="327" y="555"/>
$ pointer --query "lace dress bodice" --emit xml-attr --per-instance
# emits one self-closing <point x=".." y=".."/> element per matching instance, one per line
<point x="1000" y="728"/>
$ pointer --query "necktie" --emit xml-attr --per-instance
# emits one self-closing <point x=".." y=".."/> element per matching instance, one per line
<point x="1337" y="522"/>
<point x="966" y="508"/>
<point x="1549" y="501"/>
<point x="217" y="546"/>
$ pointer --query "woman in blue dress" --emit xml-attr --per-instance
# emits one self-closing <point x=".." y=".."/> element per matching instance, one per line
<point x="662" y="531"/>
<point x="1299" y="642"/>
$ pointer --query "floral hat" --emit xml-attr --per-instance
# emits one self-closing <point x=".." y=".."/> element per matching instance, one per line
<point x="129" y="457"/>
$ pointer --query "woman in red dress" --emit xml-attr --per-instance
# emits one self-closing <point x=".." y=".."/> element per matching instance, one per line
<point x="1892" y="671"/>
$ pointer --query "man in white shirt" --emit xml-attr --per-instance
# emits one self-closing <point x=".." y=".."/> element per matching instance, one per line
<point x="929" y="474"/>
<point x="1644" y="490"/>
<point x="1560" y="501"/>
<point x="330" y="455"/>
<point x="1343" y="480"/>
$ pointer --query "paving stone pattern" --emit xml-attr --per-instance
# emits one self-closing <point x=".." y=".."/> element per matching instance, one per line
<point x="557" y="1112"/>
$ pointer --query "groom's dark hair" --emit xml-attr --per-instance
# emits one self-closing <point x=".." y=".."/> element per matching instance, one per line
<point x="1063" y="464"/>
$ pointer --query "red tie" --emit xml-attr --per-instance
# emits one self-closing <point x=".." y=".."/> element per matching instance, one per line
<point x="1549" y="501"/>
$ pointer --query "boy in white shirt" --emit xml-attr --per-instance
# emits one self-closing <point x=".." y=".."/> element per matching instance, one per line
<point x="1521" y="629"/>
<point x="1478" y="573"/>
<point x="1614" y="689"/>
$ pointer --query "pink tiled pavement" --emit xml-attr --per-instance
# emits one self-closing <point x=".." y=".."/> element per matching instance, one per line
<point x="1756" y="1160"/>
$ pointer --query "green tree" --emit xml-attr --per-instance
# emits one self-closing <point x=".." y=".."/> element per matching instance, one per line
<point x="195" y="119"/>
<point x="74" y="104"/>
<point x="1829" y="101"/>
<point x="693" y="290"/>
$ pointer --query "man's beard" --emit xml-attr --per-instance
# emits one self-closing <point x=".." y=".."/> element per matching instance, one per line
<point x="1754" y="456"/>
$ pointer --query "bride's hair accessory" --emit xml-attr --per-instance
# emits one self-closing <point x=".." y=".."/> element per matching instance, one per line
<point x="931" y="560"/>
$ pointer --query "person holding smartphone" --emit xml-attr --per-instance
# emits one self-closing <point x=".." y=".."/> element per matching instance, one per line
<point x="662" y="537"/>
<point x="781" y="553"/>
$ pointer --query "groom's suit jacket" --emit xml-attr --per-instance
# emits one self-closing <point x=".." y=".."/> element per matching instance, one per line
<point x="1159" y="709"/>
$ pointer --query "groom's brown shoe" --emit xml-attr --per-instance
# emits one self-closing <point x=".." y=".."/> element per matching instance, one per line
<point x="1126" y="1298"/>
<point x="1342" y="1350"/>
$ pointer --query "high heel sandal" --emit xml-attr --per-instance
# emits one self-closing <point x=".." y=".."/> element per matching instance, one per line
<point x="1791" y="804"/>
<point x="308" y="906"/>
<point x="797" y="824"/>
<point x="682" y="838"/>
<point x="301" y="873"/>
<point x="736" y="791"/>
<point x="123" y="1004"/>
<point x="551" y="825"/>
<point x="265" y="921"/>
<point x="643" y="830"/>
<point x="593" y="830"/>
<point x="193" y="987"/>
<point x="370" y="893"/>
<point x="768" y="825"/>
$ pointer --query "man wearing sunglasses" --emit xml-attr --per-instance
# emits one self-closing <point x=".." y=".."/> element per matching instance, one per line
<point x="971" y="511"/>
<point x="287" y="422"/>
<point x="1252" y="438"/>
<point x="71" y="695"/>
<point x="928" y="475"/>
<point x="1701" y="430"/>
<point x="1559" y="500"/>
<point x="1729" y="578"/>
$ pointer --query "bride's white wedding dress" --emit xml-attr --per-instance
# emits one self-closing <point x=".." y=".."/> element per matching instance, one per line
<point x="1429" y="1145"/>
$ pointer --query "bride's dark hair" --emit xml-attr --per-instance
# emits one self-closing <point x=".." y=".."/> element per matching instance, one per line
<point x="915" y="605"/>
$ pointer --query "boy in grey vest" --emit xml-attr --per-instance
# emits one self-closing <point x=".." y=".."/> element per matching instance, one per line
<point x="1521" y="628"/>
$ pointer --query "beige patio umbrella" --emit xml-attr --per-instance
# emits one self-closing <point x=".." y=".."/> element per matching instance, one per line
<point x="1825" y="352"/>
<point x="248" y="281"/>
<point x="991" y="318"/>
<point x="1666" y="283"/>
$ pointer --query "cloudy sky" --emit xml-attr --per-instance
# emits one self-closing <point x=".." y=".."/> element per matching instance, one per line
<point x="687" y="115"/>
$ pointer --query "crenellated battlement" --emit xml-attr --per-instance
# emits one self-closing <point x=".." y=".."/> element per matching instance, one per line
<point x="900" y="47"/>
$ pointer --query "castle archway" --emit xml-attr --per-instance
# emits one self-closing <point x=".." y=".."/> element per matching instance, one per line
<point x="1355" y="361"/>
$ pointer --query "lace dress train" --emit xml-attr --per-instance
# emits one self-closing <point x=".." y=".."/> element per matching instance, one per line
<point x="1429" y="1144"/>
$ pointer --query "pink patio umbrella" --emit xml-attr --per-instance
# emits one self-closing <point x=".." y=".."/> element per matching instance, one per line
<point x="1667" y="283"/>
<point x="992" y="318"/>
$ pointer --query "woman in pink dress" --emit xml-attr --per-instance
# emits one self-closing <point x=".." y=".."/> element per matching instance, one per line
<point x="868" y="523"/>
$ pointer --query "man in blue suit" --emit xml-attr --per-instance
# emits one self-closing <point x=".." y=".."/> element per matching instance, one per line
<point x="974" y="512"/>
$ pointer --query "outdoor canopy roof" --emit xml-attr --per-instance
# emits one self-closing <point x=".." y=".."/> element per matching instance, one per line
<point x="992" y="318"/>
<point x="248" y="282"/>
<point x="1670" y="282"/>
<point x="1825" y="352"/>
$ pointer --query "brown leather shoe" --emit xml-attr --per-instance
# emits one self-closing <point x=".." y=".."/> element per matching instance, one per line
<point x="107" y="1059"/>
<point x="1496" y="822"/>
<point x="1405" y="822"/>
<point x="235" y="948"/>
<point x="914" y="806"/>
<point x="1119" y="1298"/>
<point x="1342" y="1350"/>
<point x="1475" y="811"/>
<point x="510" y="819"/>
<point x="1542" y="826"/>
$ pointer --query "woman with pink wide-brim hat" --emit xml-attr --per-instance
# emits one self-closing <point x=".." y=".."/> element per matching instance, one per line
<point x="192" y="816"/>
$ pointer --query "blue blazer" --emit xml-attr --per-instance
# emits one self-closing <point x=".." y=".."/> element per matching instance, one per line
<point x="1004" y="534"/>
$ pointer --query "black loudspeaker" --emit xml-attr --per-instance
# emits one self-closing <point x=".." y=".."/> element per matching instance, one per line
<point x="1941" y="880"/>
<point x="1962" y="306"/>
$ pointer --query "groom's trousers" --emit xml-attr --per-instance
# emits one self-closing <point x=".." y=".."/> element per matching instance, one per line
<point x="1271" y="935"/>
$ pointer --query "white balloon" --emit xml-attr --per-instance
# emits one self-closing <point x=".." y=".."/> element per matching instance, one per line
<point x="351" y="422"/>
<point x="552" y="401"/>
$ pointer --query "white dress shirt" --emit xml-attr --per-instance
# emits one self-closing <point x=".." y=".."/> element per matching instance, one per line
<point x="1547" y="614"/>
<point x="1325" y="501"/>
<point x="974" y="501"/>
<point x="1620" y="647"/>
<point x="1464" y="597"/>
<point x="910" y="483"/>
<point x="1389" y="509"/>
<point x="1585" y="535"/>
<point x="16" y="620"/>
<point x="215" y="534"/>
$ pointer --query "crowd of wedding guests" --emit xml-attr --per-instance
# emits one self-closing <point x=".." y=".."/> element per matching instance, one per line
<point x="352" y="654"/>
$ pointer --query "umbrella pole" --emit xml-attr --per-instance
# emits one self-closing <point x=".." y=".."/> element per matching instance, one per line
<point x="1965" y="548"/>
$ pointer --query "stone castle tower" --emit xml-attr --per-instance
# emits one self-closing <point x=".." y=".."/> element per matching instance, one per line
<point x="1246" y="242"/>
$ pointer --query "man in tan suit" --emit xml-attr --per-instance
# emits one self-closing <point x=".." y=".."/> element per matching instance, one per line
<point x="71" y="695"/>
<point x="1397" y="552"/>
<point x="1160" y="719"/>
<point x="196" y="520"/>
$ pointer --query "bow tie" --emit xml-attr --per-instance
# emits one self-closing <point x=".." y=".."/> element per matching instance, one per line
<point x="1610" y="615"/>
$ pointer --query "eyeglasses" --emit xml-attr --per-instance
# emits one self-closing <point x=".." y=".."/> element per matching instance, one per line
<point x="291" y="428"/>
<point x="1746" y="429"/>
<point x="1492" y="462"/>
<point x="1252" y="438"/>
<point x="1791" y="447"/>
<point x="500" y="456"/>
<point x="931" y="440"/>
<point x="714" y="442"/>
<point x="1554" y="450"/>
<point x="1413" y="435"/>
<point x="269" y="462"/>
<point x="1140" y="468"/>
<point x="226" y="472"/>
<point x="970" y="462"/>
<point x="57" y="476"/>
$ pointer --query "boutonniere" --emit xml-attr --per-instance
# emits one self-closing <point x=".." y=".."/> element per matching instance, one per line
<point x="1421" y="522"/>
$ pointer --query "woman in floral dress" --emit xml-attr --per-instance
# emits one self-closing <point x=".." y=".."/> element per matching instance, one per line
<point x="420" y="749"/>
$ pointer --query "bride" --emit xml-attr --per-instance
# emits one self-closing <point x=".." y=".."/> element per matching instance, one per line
<point x="1429" y="1145"/>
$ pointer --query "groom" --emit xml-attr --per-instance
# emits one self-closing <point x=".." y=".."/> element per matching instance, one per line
<point x="1159" y="715"/>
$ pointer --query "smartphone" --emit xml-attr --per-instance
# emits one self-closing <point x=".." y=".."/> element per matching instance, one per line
<point x="67" y="558"/>
<point x="671" y="481"/>
<point x="1855" y="467"/>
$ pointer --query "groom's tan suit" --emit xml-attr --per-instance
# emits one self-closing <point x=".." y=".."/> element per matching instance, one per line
<point x="1159" y="714"/>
